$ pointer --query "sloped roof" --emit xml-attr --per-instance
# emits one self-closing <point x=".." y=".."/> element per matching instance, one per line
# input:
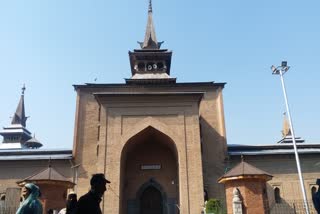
<point x="33" y="143"/>
<point x="49" y="174"/>
<point x="273" y="149"/>
<point x="245" y="170"/>
<point x="35" y="154"/>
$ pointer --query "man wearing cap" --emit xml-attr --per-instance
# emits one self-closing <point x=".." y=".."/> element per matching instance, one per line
<point x="316" y="198"/>
<point x="89" y="203"/>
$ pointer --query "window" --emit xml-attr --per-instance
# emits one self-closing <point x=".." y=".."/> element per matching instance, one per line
<point x="141" y="66"/>
<point x="277" y="196"/>
<point x="313" y="190"/>
<point x="205" y="195"/>
<point x="160" y="65"/>
<point x="98" y="133"/>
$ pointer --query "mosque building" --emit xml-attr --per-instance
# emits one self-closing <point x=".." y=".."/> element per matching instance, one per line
<point x="161" y="143"/>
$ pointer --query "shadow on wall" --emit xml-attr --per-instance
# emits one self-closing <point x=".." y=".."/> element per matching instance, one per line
<point x="214" y="153"/>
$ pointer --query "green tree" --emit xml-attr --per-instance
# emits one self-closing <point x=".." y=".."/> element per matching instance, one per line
<point x="214" y="206"/>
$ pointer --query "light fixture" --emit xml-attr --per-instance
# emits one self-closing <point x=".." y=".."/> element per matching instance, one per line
<point x="281" y="70"/>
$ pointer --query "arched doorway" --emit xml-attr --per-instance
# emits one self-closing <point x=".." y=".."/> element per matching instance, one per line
<point x="149" y="174"/>
<point x="151" y="201"/>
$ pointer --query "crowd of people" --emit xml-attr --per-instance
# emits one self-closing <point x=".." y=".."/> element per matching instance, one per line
<point x="89" y="203"/>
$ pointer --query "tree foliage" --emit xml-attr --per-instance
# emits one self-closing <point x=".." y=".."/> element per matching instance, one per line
<point x="213" y="206"/>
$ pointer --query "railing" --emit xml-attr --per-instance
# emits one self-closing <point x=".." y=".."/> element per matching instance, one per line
<point x="8" y="210"/>
<point x="291" y="207"/>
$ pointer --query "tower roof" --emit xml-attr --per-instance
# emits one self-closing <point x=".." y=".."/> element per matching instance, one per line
<point x="150" y="38"/>
<point x="19" y="117"/>
<point x="286" y="131"/>
<point x="150" y="64"/>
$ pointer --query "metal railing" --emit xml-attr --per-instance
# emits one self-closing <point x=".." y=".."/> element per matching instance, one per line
<point x="8" y="210"/>
<point x="291" y="207"/>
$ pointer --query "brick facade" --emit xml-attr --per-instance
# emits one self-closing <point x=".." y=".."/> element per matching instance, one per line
<point x="184" y="132"/>
<point x="253" y="195"/>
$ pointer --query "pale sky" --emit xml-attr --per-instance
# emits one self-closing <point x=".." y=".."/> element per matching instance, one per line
<point x="51" y="45"/>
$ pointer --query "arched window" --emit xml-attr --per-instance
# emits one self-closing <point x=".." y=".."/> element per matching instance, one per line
<point x="3" y="197"/>
<point x="313" y="190"/>
<point x="277" y="196"/>
<point x="205" y="195"/>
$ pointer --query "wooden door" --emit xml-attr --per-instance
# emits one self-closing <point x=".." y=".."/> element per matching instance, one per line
<point x="151" y="201"/>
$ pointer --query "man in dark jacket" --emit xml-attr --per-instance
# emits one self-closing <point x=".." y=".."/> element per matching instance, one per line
<point x="316" y="198"/>
<point x="89" y="203"/>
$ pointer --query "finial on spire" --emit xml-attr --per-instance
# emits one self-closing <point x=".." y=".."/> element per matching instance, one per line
<point x="150" y="6"/>
<point x="23" y="89"/>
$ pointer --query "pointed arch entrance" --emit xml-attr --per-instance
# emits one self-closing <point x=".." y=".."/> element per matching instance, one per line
<point x="151" y="202"/>
<point x="152" y="198"/>
<point x="149" y="174"/>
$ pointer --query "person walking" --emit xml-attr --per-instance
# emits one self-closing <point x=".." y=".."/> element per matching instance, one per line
<point x="31" y="204"/>
<point x="90" y="202"/>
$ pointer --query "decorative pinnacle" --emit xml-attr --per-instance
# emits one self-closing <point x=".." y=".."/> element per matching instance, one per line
<point x="23" y="89"/>
<point x="150" y="6"/>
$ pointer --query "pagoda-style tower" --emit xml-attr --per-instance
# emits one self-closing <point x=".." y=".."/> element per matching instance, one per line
<point x="150" y="64"/>
<point x="16" y="135"/>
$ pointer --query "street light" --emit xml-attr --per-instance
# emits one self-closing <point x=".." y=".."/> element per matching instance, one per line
<point x="280" y="70"/>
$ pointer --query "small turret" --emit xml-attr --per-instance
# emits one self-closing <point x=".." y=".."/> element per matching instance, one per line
<point x="33" y="143"/>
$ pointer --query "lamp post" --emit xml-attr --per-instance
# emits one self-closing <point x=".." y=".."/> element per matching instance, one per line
<point x="280" y="70"/>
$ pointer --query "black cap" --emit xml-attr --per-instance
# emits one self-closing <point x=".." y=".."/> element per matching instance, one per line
<point x="98" y="178"/>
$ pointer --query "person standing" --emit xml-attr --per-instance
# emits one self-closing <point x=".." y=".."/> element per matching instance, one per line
<point x="316" y="198"/>
<point x="31" y="204"/>
<point x="70" y="204"/>
<point x="90" y="202"/>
